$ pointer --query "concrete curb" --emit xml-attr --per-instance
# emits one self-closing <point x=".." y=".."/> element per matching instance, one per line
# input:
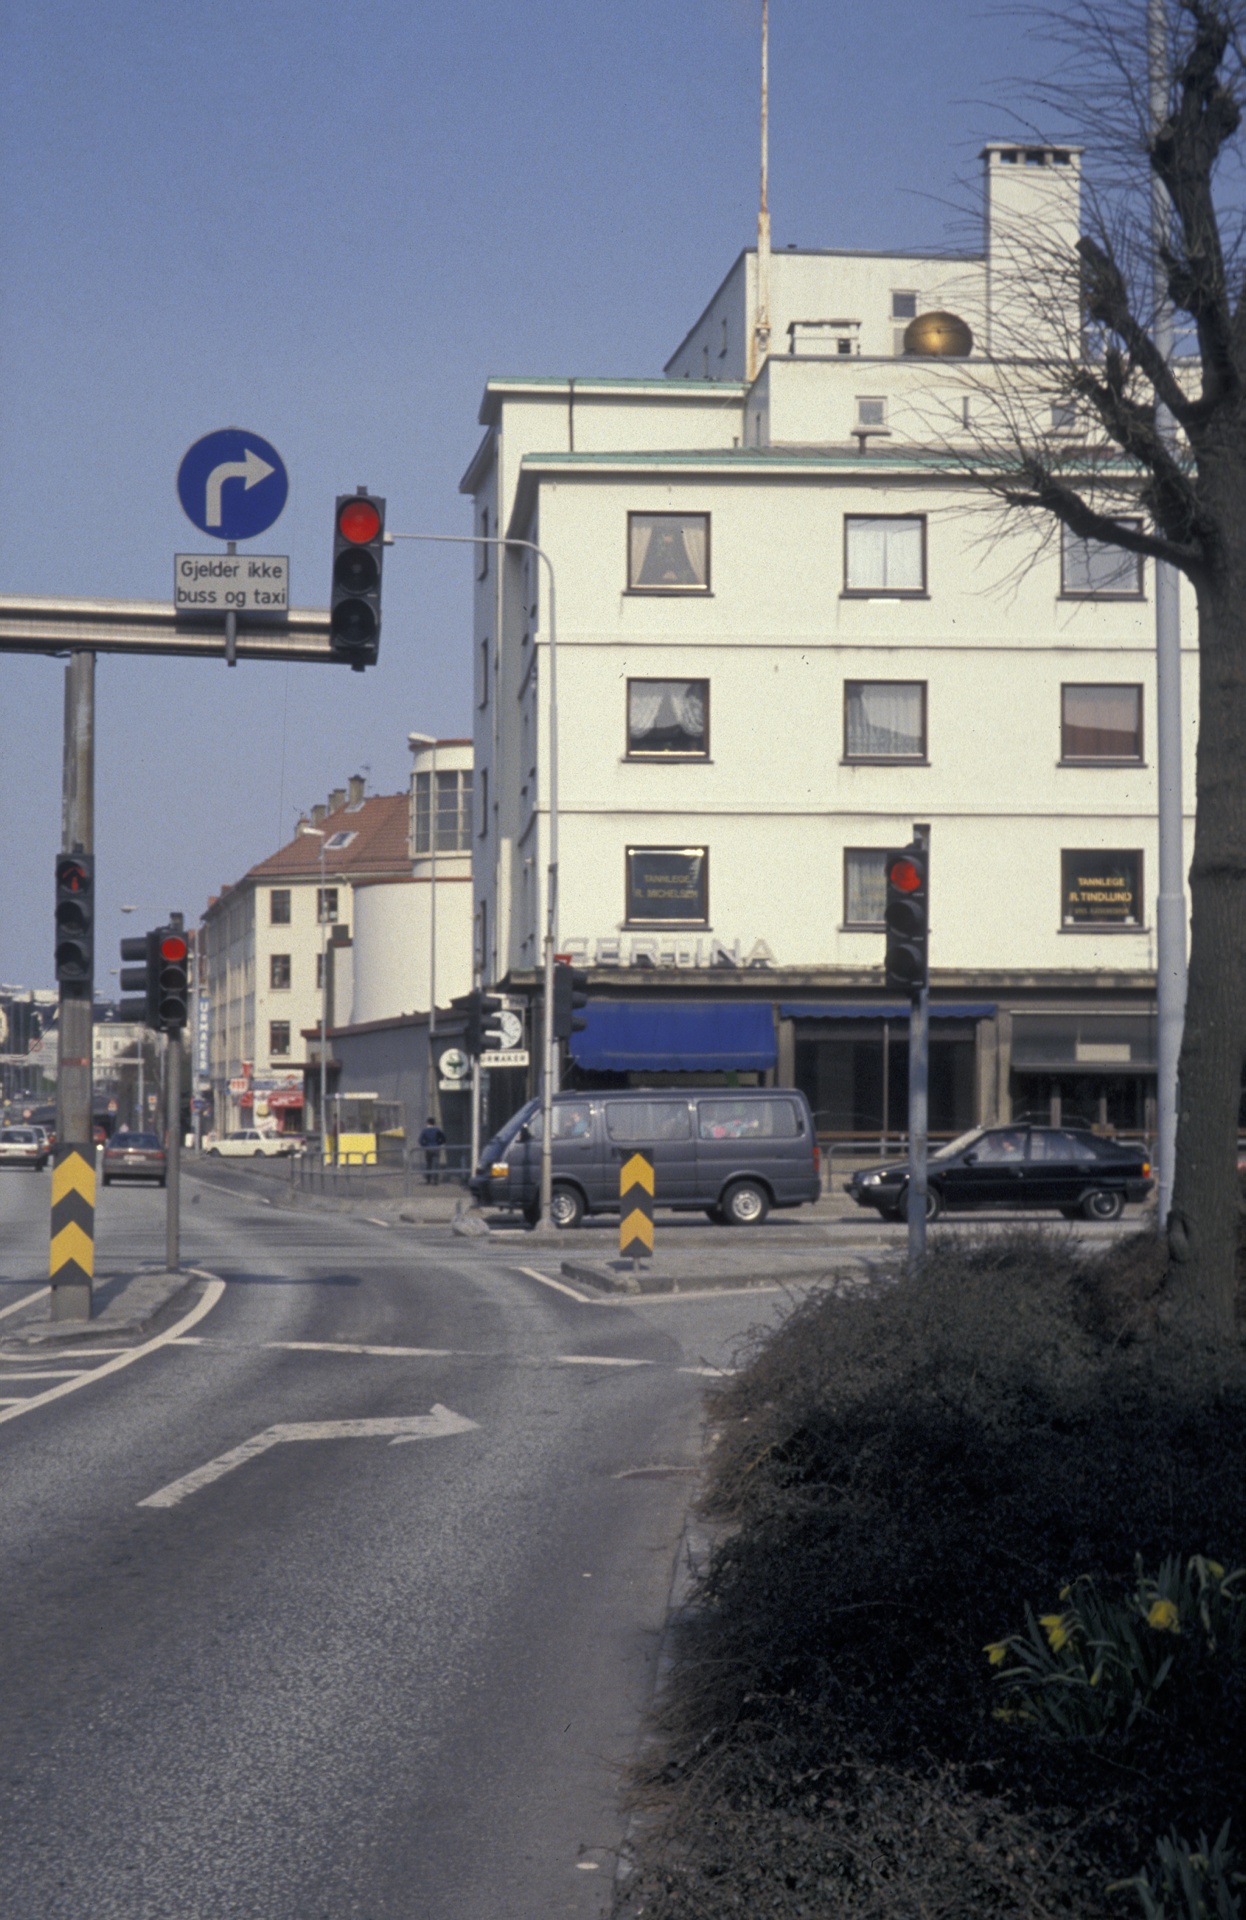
<point x="131" y="1309"/>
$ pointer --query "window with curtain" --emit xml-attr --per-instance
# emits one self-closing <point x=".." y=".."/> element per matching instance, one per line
<point x="884" y="720"/>
<point x="668" y="552"/>
<point x="865" y="886"/>
<point x="668" y="717"/>
<point x="884" y="553"/>
<point x="1101" y="723"/>
<point x="1096" y="570"/>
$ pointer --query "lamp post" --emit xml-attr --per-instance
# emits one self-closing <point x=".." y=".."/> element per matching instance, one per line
<point x="318" y="834"/>
<point x="430" y="740"/>
<point x="551" y="876"/>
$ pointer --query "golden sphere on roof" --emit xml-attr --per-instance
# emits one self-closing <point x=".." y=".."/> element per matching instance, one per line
<point x="943" y="336"/>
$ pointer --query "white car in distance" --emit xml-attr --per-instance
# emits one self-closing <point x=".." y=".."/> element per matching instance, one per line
<point x="248" y="1143"/>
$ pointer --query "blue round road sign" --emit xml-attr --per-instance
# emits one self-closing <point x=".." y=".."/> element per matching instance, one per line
<point x="232" y="484"/>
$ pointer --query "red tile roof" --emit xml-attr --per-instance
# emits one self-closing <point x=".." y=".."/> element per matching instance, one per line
<point x="379" y="849"/>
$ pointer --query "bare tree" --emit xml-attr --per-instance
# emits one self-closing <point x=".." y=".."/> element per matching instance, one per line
<point x="1173" y="489"/>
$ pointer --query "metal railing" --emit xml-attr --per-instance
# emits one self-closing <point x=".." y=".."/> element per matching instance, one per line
<point x="392" y="1181"/>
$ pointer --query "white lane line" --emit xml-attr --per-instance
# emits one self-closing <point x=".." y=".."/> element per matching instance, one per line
<point x="26" y="1300"/>
<point x="710" y="1373"/>
<point x="596" y="1360"/>
<point x="212" y="1293"/>
<point x="374" y="1222"/>
<point x="62" y="1373"/>
<point x="342" y="1346"/>
<point x="10" y="1403"/>
<point x="61" y="1353"/>
<point x="438" y="1424"/>
<point x="560" y="1286"/>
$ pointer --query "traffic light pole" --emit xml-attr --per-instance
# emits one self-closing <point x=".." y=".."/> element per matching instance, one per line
<point x="919" y="1102"/>
<point x="173" y="1153"/>
<point x="71" y="1280"/>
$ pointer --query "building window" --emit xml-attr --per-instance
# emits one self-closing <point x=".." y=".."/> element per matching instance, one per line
<point x="1096" y="570"/>
<point x="320" y="960"/>
<point x="668" y="552"/>
<point x="326" y="905"/>
<point x="279" y="907"/>
<point x="668" y="718"/>
<point x="484" y="673"/>
<point x="871" y="413"/>
<point x="667" y="886"/>
<point x="904" y="306"/>
<point x="278" y="1037"/>
<point x="484" y="803"/>
<point x="482" y="563"/>
<point x="1101" y="723"/>
<point x="865" y="887"/>
<point x="1064" y="417"/>
<point x="338" y="842"/>
<point x="884" y="553"/>
<point x="452" y="829"/>
<point x="885" y="720"/>
<point x="1101" y="889"/>
<point x="278" y="969"/>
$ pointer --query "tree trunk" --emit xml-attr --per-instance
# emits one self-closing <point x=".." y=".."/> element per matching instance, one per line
<point x="1203" y="1226"/>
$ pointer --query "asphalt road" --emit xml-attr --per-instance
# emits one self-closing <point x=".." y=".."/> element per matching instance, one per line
<point x="362" y="1674"/>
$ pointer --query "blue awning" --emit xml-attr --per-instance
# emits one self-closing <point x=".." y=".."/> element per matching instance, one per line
<point x="675" y="1036"/>
<point x="884" y="1010"/>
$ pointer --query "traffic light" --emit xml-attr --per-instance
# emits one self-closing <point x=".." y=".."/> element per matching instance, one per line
<point x="163" y="979"/>
<point x="355" y="600"/>
<point x="569" y="984"/>
<point x="491" y="1037"/>
<point x="142" y="980"/>
<point x="907" y="918"/>
<point x="75" y="921"/>
<point x="482" y="1011"/>
<point x="173" y="980"/>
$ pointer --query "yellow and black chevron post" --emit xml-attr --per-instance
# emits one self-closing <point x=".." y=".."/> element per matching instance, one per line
<point x="72" y="1265"/>
<point x="636" y="1207"/>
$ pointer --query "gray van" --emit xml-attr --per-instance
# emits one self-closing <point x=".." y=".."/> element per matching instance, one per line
<point x="731" y="1152"/>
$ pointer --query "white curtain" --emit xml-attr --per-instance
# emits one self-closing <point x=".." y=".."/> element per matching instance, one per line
<point x="885" y="719"/>
<point x="885" y="555"/>
<point x="662" y="705"/>
<point x="694" y="531"/>
<point x="642" y="534"/>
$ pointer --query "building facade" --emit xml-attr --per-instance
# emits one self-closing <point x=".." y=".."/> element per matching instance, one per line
<point x="791" y="625"/>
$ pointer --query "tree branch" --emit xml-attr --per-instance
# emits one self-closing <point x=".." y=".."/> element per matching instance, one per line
<point x="1043" y="489"/>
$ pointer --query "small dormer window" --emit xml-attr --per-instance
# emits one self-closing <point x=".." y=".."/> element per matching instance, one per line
<point x="337" y="841"/>
<point x="872" y="413"/>
<point x="904" y="305"/>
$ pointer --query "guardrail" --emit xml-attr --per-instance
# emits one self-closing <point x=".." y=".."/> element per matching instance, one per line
<point x="450" y="1167"/>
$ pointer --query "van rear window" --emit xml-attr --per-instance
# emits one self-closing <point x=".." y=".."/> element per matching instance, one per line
<point x="747" y="1120"/>
<point x="640" y="1120"/>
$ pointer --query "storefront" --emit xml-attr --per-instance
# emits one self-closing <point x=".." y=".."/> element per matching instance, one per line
<point x="1095" y="1067"/>
<point x="851" y="1062"/>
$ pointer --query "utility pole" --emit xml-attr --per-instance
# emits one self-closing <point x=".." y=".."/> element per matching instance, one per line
<point x="72" y="1260"/>
<point x="919" y="1101"/>
<point x="173" y="1136"/>
<point x="1170" y="914"/>
<point x="759" y="344"/>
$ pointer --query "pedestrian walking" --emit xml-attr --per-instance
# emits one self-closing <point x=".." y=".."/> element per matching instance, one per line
<point x="432" y="1139"/>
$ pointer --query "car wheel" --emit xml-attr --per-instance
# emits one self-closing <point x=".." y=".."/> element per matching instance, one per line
<point x="934" y="1203"/>
<point x="566" y="1208"/>
<point x="214" y="1153"/>
<point x="745" y="1204"/>
<point x="1102" y="1205"/>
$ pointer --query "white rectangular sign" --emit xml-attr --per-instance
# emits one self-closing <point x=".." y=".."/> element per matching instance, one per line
<point x="231" y="583"/>
<point x="510" y="1057"/>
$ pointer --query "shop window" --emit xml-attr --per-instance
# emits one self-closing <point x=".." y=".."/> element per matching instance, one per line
<point x="668" y="719"/>
<point x="865" y="887"/>
<point x="1101" y="889"/>
<point x="1097" y="570"/>
<point x="668" y="552"/>
<point x="1101" y="723"/>
<point x="885" y="720"/>
<point x="278" y="969"/>
<point x="884" y="553"/>
<point x="279" y="907"/>
<point x="667" y="886"/>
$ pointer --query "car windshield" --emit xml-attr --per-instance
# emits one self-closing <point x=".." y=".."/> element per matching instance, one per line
<point x="958" y="1146"/>
<point x="506" y="1134"/>
<point x="134" y="1140"/>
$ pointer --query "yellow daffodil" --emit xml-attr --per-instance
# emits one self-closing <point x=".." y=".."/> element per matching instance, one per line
<point x="1215" y="1569"/>
<point x="997" y="1652"/>
<point x="1163" y="1616"/>
<point x="1056" y="1627"/>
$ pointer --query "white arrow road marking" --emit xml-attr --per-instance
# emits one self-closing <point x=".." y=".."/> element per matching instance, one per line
<point x="409" y="1426"/>
<point x="250" y="470"/>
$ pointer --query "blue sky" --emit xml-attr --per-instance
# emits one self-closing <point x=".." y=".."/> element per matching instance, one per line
<point x="330" y="225"/>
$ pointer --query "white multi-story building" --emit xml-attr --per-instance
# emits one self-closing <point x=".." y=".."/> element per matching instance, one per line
<point x="791" y="625"/>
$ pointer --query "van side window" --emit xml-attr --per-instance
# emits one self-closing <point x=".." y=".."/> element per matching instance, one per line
<point x="573" y="1122"/>
<point x="640" y="1120"/>
<point x="748" y="1120"/>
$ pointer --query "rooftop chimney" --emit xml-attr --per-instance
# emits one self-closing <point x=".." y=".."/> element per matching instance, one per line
<point x="337" y="799"/>
<point x="304" y="823"/>
<point x="356" y="783"/>
<point x="318" y="814"/>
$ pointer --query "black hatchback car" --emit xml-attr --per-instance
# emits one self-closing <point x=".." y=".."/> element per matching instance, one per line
<point x="1020" y="1166"/>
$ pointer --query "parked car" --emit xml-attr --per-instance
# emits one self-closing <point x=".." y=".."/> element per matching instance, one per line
<point x="733" y="1153"/>
<point x="133" y="1156"/>
<point x="1019" y="1166"/>
<point x="23" y="1147"/>
<point x="248" y="1143"/>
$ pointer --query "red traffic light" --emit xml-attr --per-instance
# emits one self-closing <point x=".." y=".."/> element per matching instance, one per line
<point x="359" y="522"/>
<point x="904" y="876"/>
<point x="173" y="947"/>
<point x="71" y="876"/>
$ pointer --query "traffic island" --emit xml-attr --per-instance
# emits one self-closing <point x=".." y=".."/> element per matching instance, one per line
<point x="125" y="1304"/>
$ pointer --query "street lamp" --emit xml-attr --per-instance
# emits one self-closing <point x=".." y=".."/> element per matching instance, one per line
<point x="430" y="740"/>
<point x="551" y="878"/>
<point x="318" y="834"/>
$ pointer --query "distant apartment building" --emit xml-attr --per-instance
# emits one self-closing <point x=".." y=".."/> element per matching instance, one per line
<point x="791" y="625"/>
